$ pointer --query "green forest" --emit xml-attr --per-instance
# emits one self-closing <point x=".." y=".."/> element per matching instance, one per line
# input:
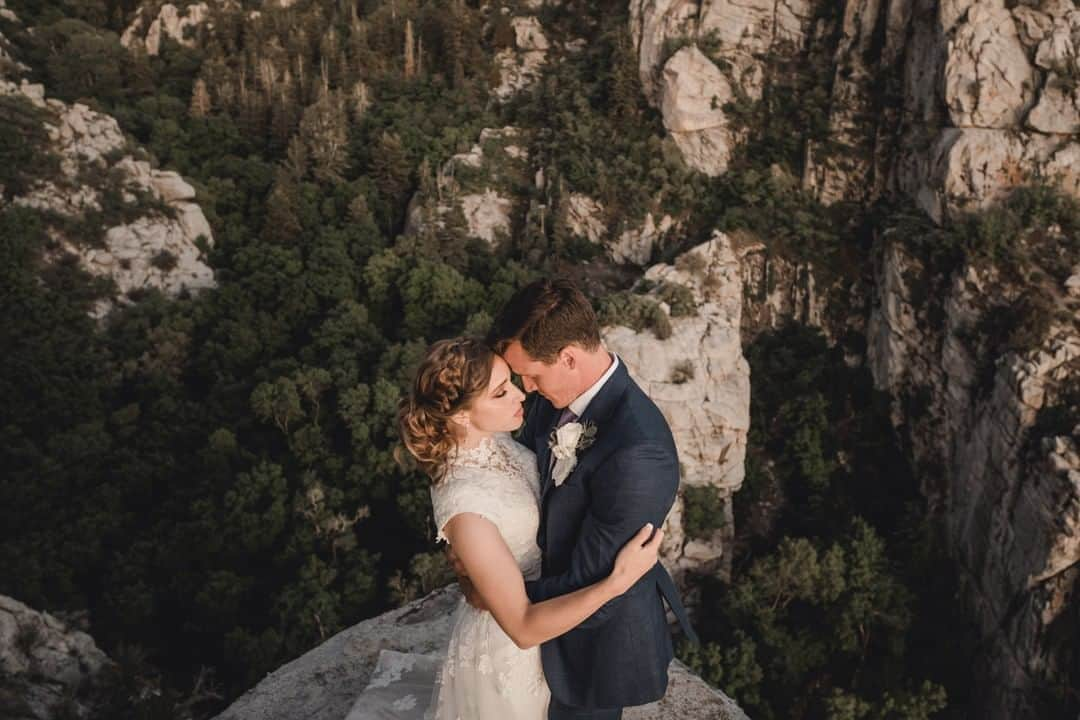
<point x="211" y="477"/>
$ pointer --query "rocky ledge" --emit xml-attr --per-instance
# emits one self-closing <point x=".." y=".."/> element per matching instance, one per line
<point x="323" y="684"/>
<point x="47" y="669"/>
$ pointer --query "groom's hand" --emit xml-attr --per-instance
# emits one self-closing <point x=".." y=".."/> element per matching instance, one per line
<point x="467" y="588"/>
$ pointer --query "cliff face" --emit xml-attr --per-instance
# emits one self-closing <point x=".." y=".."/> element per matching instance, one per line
<point x="947" y="104"/>
<point x="700" y="380"/>
<point x="950" y="102"/>
<point x="1007" y="491"/>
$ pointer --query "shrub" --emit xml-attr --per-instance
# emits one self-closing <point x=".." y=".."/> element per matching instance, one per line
<point x="678" y="297"/>
<point x="24" y="155"/>
<point x="639" y="312"/>
<point x="164" y="260"/>
<point x="1018" y="327"/>
<point x="691" y="263"/>
<point x="427" y="571"/>
<point x="682" y="372"/>
<point x="703" y="511"/>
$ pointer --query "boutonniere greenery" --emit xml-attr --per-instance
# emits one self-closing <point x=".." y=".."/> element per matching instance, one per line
<point x="565" y="443"/>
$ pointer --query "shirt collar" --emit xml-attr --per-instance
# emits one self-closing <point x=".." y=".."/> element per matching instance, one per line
<point x="582" y="401"/>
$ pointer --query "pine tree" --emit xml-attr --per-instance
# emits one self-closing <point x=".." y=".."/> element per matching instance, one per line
<point x="200" y="100"/>
<point x="284" y="114"/>
<point x="325" y="130"/>
<point x="410" y="56"/>
<point x="390" y="169"/>
<point x="296" y="159"/>
<point x="454" y="43"/>
<point x="625" y="90"/>
<point x="283" y="211"/>
<point x="360" y="98"/>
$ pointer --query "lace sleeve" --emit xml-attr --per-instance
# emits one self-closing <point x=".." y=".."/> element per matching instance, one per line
<point x="462" y="492"/>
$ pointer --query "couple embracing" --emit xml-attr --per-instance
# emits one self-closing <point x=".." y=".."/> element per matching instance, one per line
<point x="556" y="533"/>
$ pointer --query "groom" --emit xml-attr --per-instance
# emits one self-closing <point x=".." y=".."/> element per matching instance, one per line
<point x="608" y="475"/>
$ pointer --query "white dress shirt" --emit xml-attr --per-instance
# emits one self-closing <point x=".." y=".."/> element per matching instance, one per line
<point x="582" y="401"/>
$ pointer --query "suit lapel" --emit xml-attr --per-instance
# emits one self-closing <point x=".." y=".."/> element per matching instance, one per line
<point x="547" y="414"/>
<point x="597" y="412"/>
<point x="543" y="459"/>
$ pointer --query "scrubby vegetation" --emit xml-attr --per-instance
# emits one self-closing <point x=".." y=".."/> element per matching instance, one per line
<point x="838" y="606"/>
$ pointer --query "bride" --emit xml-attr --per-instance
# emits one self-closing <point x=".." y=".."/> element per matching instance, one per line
<point x="456" y="425"/>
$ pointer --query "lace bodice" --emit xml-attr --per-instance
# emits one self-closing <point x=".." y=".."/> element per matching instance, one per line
<point x="497" y="480"/>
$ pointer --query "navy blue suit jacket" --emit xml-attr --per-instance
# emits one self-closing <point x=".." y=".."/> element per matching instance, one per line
<point x="628" y="477"/>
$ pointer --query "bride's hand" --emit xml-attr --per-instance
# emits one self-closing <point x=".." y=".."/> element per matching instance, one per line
<point x="467" y="588"/>
<point x="636" y="558"/>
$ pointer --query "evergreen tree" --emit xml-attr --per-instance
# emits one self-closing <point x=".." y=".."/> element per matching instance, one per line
<point x="324" y="129"/>
<point x="390" y="170"/>
<point x="200" y="100"/>
<point x="410" y="51"/>
<point x="282" y="224"/>
<point x="624" y="91"/>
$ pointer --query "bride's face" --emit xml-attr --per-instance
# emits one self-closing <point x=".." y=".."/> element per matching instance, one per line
<point x="500" y="407"/>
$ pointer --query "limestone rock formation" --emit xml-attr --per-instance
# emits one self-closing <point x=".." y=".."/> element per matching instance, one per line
<point x="179" y="25"/>
<point x="689" y="86"/>
<point x="157" y="245"/>
<point x="636" y="245"/>
<point x="324" y="683"/>
<point x="694" y="92"/>
<point x="487" y="213"/>
<point x="585" y="217"/>
<point x="46" y="667"/>
<point x="973" y="168"/>
<point x="988" y="80"/>
<point x="777" y="290"/>
<point x="519" y="66"/>
<point x="652" y="24"/>
<point x="701" y="382"/>
<point x="931" y="95"/>
<point x="479" y="183"/>
<point x="1010" y="498"/>
<point x="755" y="26"/>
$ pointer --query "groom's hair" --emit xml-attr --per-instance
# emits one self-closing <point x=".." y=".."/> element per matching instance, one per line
<point x="545" y="316"/>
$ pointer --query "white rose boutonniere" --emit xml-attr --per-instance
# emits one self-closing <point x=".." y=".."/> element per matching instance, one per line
<point x="565" y="443"/>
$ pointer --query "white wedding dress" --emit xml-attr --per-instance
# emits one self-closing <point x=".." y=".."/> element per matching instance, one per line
<point x="484" y="675"/>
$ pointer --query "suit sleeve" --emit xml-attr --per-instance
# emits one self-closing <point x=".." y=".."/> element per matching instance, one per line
<point x="637" y="485"/>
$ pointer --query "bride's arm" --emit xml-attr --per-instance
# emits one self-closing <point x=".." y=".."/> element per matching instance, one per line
<point x="495" y="574"/>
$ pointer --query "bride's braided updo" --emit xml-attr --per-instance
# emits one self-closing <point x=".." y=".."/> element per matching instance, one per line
<point x="450" y="376"/>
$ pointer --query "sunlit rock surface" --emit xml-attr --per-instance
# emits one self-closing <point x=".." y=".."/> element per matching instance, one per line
<point x="1010" y="496"/>
<point x="157" y="246"/>
<point x="326" y="682"/>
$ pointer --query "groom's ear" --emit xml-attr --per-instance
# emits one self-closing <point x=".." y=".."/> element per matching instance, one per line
<point x="568" y="358"/>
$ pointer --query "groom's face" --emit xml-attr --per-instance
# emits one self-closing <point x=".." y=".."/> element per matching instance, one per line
<point x="555" y="381"/>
